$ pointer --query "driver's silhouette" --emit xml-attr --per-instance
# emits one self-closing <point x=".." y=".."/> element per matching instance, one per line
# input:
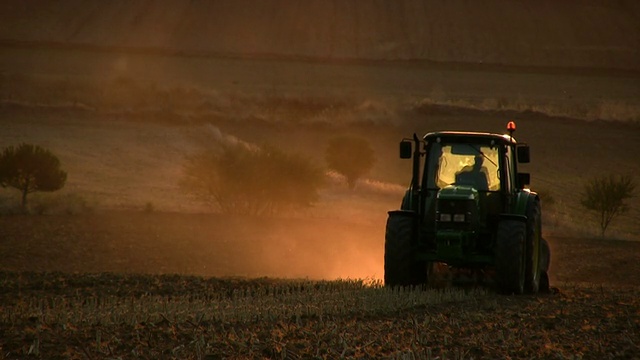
<point x="476" y="175"/>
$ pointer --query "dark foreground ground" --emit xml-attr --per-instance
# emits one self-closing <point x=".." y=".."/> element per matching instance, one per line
<point x="74" y="287"/>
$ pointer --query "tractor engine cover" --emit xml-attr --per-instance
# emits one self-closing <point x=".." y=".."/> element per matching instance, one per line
<point x="456" y="223"/>
<point x="457" y="208"/>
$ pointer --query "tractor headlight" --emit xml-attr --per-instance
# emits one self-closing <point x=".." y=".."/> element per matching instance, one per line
<point x="445" y="217"/>
<point x="458" y="218"/>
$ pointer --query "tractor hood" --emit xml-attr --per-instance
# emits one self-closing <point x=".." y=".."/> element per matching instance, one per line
<point x="458" y="192"/>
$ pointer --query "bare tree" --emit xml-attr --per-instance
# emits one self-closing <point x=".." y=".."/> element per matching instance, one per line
<point x="606" y="195"/>
<point x="30" y="168"/>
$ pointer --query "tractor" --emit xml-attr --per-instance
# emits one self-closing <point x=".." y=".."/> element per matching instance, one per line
<point x="468" y="209"/>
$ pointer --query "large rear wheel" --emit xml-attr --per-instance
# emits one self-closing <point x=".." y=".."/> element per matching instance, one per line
<point x="545" y="263"/>
<point x="533" y="251"/>
<point x="400" y="266"/>
<point x="510" y="254"/>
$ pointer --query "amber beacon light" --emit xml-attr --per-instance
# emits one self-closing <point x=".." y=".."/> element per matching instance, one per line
<point x="511" y="127"/>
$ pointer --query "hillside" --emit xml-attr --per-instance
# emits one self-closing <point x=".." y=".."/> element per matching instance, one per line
<point x="591" y="33"/>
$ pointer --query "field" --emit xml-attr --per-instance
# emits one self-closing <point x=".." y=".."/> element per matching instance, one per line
<point x="105" y="286"/>
<point x="122" y="263"/>
<point x="574" y="34"/>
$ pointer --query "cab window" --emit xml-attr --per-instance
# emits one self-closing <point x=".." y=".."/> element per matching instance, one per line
<point x="474" y="165"/>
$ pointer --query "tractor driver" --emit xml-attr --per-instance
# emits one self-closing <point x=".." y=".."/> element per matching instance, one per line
<point x="475" y="175"/>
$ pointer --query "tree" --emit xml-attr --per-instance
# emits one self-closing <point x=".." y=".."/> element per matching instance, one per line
<point x="256" y="181"/>
<point x="30" y="168"/>
<point x="606" y="195"/>
<point x="351" y="156"/>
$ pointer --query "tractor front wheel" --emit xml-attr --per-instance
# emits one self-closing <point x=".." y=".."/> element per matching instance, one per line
<point x="510" y="255"/>
<point x="400" y="267"/>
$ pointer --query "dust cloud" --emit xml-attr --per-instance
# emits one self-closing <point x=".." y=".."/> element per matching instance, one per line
<point x="323" y="249"/>
<point x="295" y="247"/>
<point x="342" y="236"/>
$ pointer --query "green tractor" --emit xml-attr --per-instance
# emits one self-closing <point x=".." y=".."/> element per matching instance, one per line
<point x="467" y="208"/>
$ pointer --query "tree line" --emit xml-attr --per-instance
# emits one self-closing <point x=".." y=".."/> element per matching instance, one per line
<point x="265" y="180"/>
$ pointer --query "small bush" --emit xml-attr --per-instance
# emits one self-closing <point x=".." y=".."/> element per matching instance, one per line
<point x="605" y="195"/>
<point x="255" y="181"/>
<point x="30" y="168"/>
<point x="350" y="156"/>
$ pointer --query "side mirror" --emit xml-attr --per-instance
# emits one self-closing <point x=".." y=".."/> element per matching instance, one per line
<point x="524" y="179"/>
<point x="523" y="154"/>
<point x="405" y="149"/>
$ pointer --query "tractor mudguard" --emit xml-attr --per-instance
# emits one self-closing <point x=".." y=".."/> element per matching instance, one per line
<point x="522" y="201"/>
<point x="407" y="201"/>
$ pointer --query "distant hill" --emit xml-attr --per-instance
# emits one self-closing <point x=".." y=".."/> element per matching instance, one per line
<point x="549" y="33"/>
